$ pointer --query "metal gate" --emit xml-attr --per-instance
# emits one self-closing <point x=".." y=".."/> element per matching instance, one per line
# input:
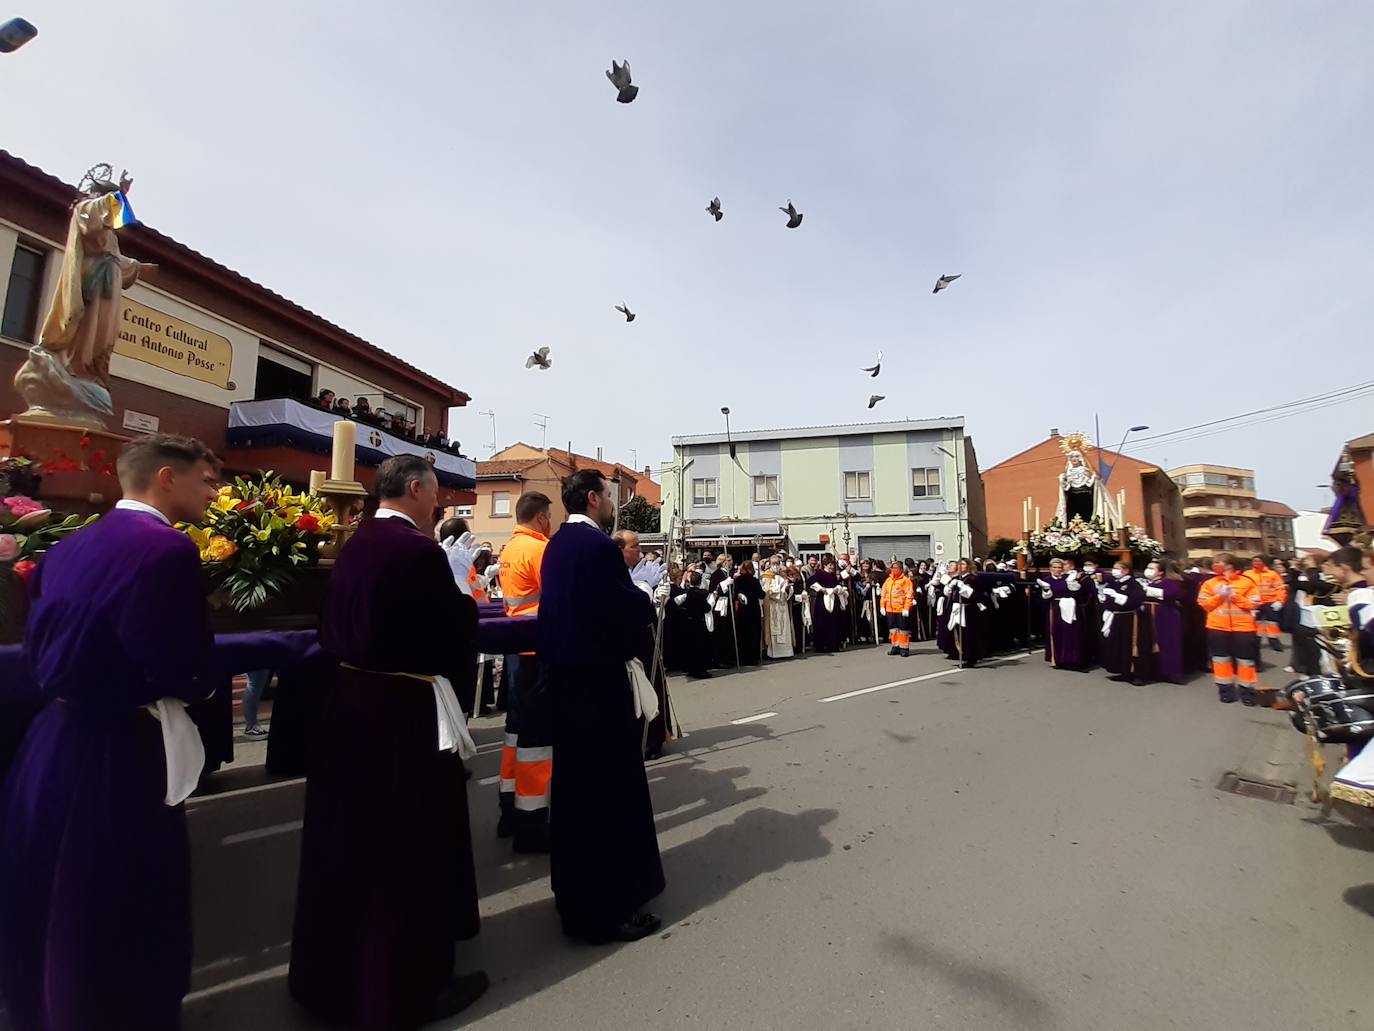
<point x="915" y="546"/>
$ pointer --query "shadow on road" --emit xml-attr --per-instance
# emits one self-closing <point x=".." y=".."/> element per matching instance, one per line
<point x="977" y="980"/>
<point x="1360" y="897"/>
<point x="523" y="948"/>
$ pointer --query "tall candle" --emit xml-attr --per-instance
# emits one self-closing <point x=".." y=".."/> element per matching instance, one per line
<point x="345" y="440"/>
<point x="316" y="480"/>
<point x="1025" y="515"/>
<point x="1038" y="524"/>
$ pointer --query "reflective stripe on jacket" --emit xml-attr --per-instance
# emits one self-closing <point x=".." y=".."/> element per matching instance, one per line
<point x="1273" y="591"/>
<point x="520" y="562"/>
<point x="898" y="594"/>
<point x="1236" y="613"/>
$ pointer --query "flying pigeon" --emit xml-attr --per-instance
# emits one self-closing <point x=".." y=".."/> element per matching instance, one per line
<point x="794" y="216"/>
<point x="713" y="209"/>
<point x="873" y="399"/>
<point x="540" y="358"/>
<point x="944" y="281"/>
<point x="620" y="79"/>
<point x="874" y="369"/>
<point x="14" y="34"/>
<point x="629" y="315"/>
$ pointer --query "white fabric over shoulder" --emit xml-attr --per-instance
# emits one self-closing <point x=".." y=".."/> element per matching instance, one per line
<point x="184" y="750"/>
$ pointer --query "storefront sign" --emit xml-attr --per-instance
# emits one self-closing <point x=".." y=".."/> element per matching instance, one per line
<point x="148" y="335"/>
<point x="140" y="421"/>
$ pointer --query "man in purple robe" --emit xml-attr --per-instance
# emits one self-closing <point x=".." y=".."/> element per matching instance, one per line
<point x="1065" y="594"/>
<point x="387" y="884"/>
<point x="1126" y="645"/>
<point x="604" y="864"/>
<point x="95" y="878"/>
<point x="1165" y="601"/>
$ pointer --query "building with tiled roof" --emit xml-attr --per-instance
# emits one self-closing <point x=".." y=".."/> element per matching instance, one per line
<point x="1276" y="524"/>
<point x="202" y="339"/>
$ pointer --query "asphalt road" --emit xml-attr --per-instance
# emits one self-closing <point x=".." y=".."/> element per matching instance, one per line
<point x="1008" y="847"/>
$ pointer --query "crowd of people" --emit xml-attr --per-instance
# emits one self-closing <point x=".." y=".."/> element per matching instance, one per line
<point x="361" y="410"/>
<point x="1165" y="622"/>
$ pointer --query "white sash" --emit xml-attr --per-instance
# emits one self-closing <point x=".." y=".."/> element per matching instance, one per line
<point x="1107" y="618"/>
<point x="956" y="615"/>
<point x="182" y="745"/>
<point x="646" y="698"/>
<point x="451" y="726"/>
<point x="1068" y="611"/>
<point x="830" y="599"/>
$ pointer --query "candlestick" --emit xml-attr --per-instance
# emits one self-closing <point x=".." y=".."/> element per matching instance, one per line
<point x="1025" y="515"/>
<point x="341" y="460"/>
<point x="1038" y="524"/>
<point x="316" y="480"/>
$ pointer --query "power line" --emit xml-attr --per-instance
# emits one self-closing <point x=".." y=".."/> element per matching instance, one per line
<point x="1244" y="420"/>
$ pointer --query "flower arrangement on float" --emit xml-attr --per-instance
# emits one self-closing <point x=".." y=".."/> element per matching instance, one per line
<point x="1078" y="538"/>
<point x="255" y="536"/>
<point x="28" y="528"/>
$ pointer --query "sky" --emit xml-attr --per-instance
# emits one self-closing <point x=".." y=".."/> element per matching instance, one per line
<point x="1161" y="212"/>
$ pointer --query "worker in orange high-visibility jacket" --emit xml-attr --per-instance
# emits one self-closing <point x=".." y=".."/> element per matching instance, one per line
<point x="1230" y="599"/>
<point x="896" y="601"/>
<point x="1273" y="593"/>
<point x="527" y="759"/>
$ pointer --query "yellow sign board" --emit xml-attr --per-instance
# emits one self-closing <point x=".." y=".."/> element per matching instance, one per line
<point x="148" y="335"/>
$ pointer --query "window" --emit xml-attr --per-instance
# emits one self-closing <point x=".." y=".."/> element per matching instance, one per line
<point x="464" y="511"/>
<point x="925" y="483"/>
<point x="500" y="503"/>
<point x="704" y="492"/>
<point x="25" y="289"/>
<point x="281" y="375"/>
<point x="858" y="486"/>
<point x="765" y="490"/>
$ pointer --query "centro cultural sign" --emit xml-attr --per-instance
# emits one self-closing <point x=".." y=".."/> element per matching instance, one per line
<point x="151" y="336"/>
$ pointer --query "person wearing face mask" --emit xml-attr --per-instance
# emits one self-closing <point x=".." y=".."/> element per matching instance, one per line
<point x="938" y="593"/>
<point x="1064" y="591"/>
<point x="749" y="597"/>
<point x="1230" y="599"/>
<point x="1163" y="612"/>
<point x="1195" y="654"/>
<point x="800" y="605"/>
<point x="721" y="585"/>
<point x="846" y="576"/>
<point x="898" y="596"/>
<point x="864" y="603"/>
<point x="829" y="604"/>
<point x="1125" y="648"/>
<point x="777" y="610"/>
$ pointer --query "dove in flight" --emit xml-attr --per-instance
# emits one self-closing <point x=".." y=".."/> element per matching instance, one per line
<point x="619" y="74"/>
<point x="944" y="281"/>
<point x="713" y="209"/>
<point x="794" y="216"/>
<point x="629" y="315"/>
<point x="873" y="399"/>
<point x="876" y="367"/>
<point x="539" y="359"/>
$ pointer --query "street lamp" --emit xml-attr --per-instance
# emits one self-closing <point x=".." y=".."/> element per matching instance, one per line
<point x="1133" y="429"/>
<point x="14" y="34"/>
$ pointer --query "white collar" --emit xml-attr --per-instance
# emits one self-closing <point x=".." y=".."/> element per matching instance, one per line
<point x="391" y="513"/>
<point x="584" y="519"/>
<point x="129" y="504"/>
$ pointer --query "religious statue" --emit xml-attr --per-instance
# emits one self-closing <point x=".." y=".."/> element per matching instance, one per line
<point x="1081" y="492"/>
<point x="67" y="375"/>
<point x="1347" y="515"/>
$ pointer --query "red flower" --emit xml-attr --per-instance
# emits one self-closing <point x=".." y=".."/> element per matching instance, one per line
<point x="24" y="570"/>
<point x="243" y="505"/>
<point x="85" y="441"/>
<point x="308" y="523"/>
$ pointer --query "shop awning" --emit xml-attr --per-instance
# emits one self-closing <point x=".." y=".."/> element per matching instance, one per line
<point x="734" y="531"/>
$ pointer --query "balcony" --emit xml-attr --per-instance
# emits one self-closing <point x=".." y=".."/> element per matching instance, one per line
<point x="1221" y="492"/>
<point x="290" y="437"/>
<point x="1221" y="533"/>
<point x="1209" y="512"/>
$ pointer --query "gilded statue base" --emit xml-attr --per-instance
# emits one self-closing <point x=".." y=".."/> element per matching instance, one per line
<point x="54" y="395"/>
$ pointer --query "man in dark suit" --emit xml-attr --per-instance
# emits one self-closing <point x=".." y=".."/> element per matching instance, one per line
<point x="605" y="862"/>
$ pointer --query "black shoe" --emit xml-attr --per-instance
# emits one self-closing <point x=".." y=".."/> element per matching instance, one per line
<point x="533" y="842"/>
<point x="1226" y="694"/>
<point x="632" y="930"/>
<point x="906" y="653"/>
<point x="461" y="992"/>
<point x="1275" y="645"/>
<point x="1248" y="697"/>
<point x="505" y="827"/>
<point x="894" y="650"/>
<point x="703" y="675"/>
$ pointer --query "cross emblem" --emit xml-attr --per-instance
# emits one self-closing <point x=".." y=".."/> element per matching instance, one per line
<point x="375" y="439"/>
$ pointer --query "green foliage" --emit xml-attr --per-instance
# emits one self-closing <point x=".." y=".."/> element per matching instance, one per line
<point x="640" y="516"/>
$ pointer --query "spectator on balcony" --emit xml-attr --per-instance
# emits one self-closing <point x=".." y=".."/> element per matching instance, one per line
<point x="342" y="407"/>
<point x="362" y="410"/>
<point x="325" y="400"/>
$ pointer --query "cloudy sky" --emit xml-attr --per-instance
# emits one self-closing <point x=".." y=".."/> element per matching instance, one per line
<point x="1161" y="211"/>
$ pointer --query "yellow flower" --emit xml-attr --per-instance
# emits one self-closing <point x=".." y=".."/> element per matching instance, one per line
<point x="218" y="549"/>
<point x="224" y="502"/>
<point x="263" y="535"/>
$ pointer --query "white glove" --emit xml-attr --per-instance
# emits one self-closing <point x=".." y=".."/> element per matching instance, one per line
<point x="461" y="553"/>
<point x="1156" y="593"/>
<point x="1117" y="597"/>
<point x="1072" y="577"/>
<point x="1224" y="591"/>
<point x="744" y="599"/>
<point x="661" y="594"/>
<point x="906" y="612"/>
<point x="965" y="591"/>
<point x="681" y="599"/>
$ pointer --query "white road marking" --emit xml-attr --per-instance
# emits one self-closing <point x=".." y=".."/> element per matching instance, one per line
<point x="270" y="974"/>
<point x="262" y="832"/>
<point x="895" y="683"/>
<point x="753" y="719"/>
